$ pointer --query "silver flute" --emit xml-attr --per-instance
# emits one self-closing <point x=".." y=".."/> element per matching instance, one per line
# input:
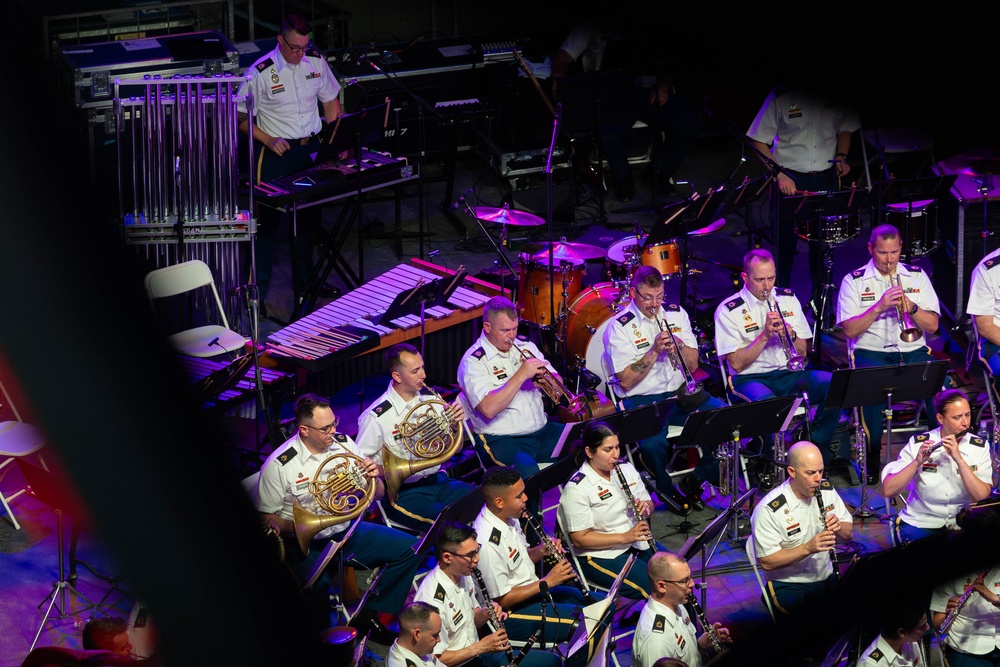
<point x="953" y="614"/>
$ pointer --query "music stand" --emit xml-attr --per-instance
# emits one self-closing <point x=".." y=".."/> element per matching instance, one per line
<point x="416" y="300"/>
<point x="907" y="191"/>
<point x="743" y="197"/>
<point x="727" y="426"/>
<point x="585" y="647"/>
<point x="464" y="510"/>
<point x="49" y="489"/>
<point x="860" y="387"/>
<point x="549" y="477"/>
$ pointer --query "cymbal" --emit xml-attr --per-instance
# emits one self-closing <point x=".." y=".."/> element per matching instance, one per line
<point x="507" y="216"/>
<point x="563" y="250"/>
<point x="713" y="227"/>
<point x="977" y="162"/>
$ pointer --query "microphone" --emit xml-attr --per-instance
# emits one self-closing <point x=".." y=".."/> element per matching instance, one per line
<point x="460" y="201"/>
<point x="363" y="54"/>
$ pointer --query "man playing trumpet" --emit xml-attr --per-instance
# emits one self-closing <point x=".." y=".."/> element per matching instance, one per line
<point x="427" y="492"/>
<point x="885" y="308"/>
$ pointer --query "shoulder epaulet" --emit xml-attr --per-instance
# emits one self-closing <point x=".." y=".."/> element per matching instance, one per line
<point x="495" y="536"/>
<point x="577" y="478"/>
<point x="659" y="623"/>
<point x="287" y="455"/>
<point x="977" y="441"/>
<point x="522" y="338"/>
<point x="410" y="663"/>
<point x="625" y="318"/>
<point x="991" y="264"/>
<point x="914" y="268"/>
<point x="672" y="307"/>
<point x="314" y="53"/>
<point x="857" y="274"/>
<point x="382" y="407"/>
<point x="735" y="303"/>
<point x="777" y="503"/>
<point x="876" y="655"/>
<point x="439" y="593"/>
<point x="479" y="353"/>
<point x="264" y="64"/>
<point x="921" y="437"/>
<point x="825" y="485"/>
<point x="784" y="291"/>
<point x="340" y="437"/>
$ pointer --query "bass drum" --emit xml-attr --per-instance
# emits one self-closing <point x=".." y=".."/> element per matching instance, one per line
<point x="589" y="315"/>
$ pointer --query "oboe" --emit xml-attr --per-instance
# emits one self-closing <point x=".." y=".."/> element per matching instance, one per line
<point x="491" y="610"/>
<point x="555" y="555"/>
<point x="707" y="627"/>
<point x="953" y="614"/>
<point x="631" y="501"/>
<point x="822" y="518"/>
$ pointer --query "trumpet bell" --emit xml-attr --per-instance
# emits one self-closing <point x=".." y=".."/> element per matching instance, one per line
<point x="910" y="335"/>
<point x="797" y="363"/>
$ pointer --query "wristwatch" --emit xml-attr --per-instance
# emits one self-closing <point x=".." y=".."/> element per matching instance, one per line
<point x="913" y="311"/>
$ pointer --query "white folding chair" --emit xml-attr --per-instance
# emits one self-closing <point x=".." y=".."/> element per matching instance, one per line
<point x="751" y="549"/>
<point x="203" y="341"/>
<point x="991" y="397"/>
<point x="17" y="440"/>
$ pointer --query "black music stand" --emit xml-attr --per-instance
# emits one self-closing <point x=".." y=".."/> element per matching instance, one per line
<point x="464" y="510"/>
<point x="907" y="191"/>
<point x="860" y="387"/>
<point x="416" y="300"/>
<point x="727" y="426"/>
<point x="590" y="642"/>
<point x="549" y="477"/>
<point x="740" y="201"/>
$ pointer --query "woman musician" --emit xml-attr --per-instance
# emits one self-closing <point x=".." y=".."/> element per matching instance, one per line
<point x="972" y="605"/>
<point x="604" y="519"/>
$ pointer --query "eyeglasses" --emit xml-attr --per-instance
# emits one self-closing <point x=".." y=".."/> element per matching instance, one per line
<point x="471" y="555"/>
<point x="653" y="297"/>
<point x="295" y="49"/>
<point x="681" y="582"/>
<point x="325" y="430"/>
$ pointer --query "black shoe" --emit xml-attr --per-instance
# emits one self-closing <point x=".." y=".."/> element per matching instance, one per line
<point x="625" y="190"/>
<point x="328" y="290"/>
<point x="692" y="489"/>
<point x="665" y="188"/>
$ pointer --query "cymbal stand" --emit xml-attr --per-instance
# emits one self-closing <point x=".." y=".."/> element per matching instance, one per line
<point x="825" y="300"/>
<point x="502" y="259"/>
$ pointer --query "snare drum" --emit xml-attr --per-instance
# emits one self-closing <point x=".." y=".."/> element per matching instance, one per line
<point x="664" y="256"/>
<point x="533" y="289"/>
<point x="587" y="317"/>
<point x="917" y="225"/>
<point x="831" y="229"/>
<point x="623" y="258"/>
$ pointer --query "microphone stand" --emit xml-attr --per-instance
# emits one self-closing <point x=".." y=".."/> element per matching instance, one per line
<point x="543" y="586"/>
<point x="556" y="121"/>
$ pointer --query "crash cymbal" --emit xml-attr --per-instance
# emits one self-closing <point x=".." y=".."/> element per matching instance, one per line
<point x="507" y="216"/>
<point x="563" y="250"/>
<point x="977" y="162"/>
<point x="714" y="227"/>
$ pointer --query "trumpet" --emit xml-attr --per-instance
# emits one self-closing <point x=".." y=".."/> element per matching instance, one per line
<point x="908" y="331"/>
<point x="547" y="381"/>
<point x="953" y="614"/>
<point x="691" y="386"/>
<point x="428" y="434"/>
<point x="796" y="362"/>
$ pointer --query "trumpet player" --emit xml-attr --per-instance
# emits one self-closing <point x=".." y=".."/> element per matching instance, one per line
<point x="285" y="477"/>
<point x="973" y="636"/>
<point x="652" y="352"/>
<point x="885" y="308"/>
<point x="665" y="629"/>
<point x="426" y="493"/>
<point x="763" y="347"/>
<point x="508" y="415"/>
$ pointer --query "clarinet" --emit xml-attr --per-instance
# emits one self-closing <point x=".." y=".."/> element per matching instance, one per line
<point x="524" y="649"/>
<point x="555" y="555"/>
<point x="953" y="614"/>
<point x="631" y="501"/>
<point x="822" y="518"/>
<point x="497" y="623"/>
<point x="707" y="627"/>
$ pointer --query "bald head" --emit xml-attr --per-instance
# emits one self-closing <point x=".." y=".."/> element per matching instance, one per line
<point x="663" y="566"/>
<point x="804" y="454"/>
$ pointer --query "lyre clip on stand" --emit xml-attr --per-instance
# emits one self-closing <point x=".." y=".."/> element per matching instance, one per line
<point x="874" y="386"/>
<point x="727" y="426"/>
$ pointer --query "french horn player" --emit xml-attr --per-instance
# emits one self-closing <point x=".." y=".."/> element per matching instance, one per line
<point x="316" y="486"/>
<point x="409" y="431"/>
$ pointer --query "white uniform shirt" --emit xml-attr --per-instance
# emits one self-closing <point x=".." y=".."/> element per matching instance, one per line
<point x="587" y="43"/>
<point x="285" y="96"/>
<point x="862" y="289"/>
<point x="936" y="491"/>
<point x="286" y="474"/>
<point x="782" y="521"/>
<point x="738" y="320"/>
<point x="457" y="605"/>
<point x="484" y="368"/>
<point x="975" y="628"/>
<point x="401" y="657"/>
<point x="590" y="501"/>
<point x="984" y="293"/>
<point x="379" y="425"/>
<point x="801" y="128"/>
<point x="663" y="632"/>
<point x="880" y="654"/>
<point x="503" y="560"/>
<point x="630" y="336"/>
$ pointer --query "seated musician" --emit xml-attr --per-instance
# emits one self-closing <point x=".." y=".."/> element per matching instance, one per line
<point x="603" y="524"/>
<point x="751" y="337"/>
<point x="285" y="477"/>
<point x="450" y="589"/>
<point x="984" y="305"/>
<point x="508" y="415"/>
<point x="419" y="632"/>
<point x="508" y="564"/>
<point x="639" y="352"/>
<point x="665" y="629"/>
<point x="792" y="544"/>
<point x="973" y="636"/>
<point x="425" y="493"/>
<point x="867" y="310"/>
<point x="940" y="480"/>
<point x="898" y="642"/>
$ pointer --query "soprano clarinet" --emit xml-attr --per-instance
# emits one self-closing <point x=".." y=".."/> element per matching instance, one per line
<point x="491" y="610"/>
<point x="707" y="627"/>
<point x="554" y="554"/>
<point x="631" y="501"/>
<point x="822" y="518"/>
